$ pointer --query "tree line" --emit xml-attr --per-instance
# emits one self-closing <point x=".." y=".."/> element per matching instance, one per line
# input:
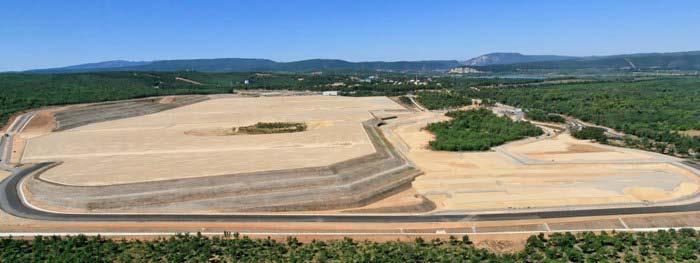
<point x="662" y="246"/>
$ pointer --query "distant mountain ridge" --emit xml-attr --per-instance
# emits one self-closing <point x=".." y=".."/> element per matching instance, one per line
<point x="510" y="58"/>
<point x="248" y="65"/>
<point x="493" y="62"/>
<point x="689" y="60"/>
<point x="107" y="64"/>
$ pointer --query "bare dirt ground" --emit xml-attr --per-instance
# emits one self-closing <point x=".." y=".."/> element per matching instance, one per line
<point x="690" y="132"/>
<point x="553" y="172"/>
<point x="42" y="123"/>
<point x="156" y="147"/>
<point x="4" y="174"/>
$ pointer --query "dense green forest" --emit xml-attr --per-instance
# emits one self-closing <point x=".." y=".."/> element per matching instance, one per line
<point x="442" y="100"/>
<point x="661" y="246"/>
<point x="540" y="115"/>
<point x="654" y="110"/>
<point x="649" y="62"/>
<point x="20" y="92"/>
<point x="477" y="130"/>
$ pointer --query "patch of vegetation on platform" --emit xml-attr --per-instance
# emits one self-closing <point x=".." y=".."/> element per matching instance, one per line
<point x="590" y="133"/>
<point x="272" y="127"/>
<point x="442" y="100"/>
<point x="477" y="130"/>
<point x="540" y="115"/>
<point x="258" y="128"/>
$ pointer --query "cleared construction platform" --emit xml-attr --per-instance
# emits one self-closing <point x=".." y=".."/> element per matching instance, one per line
<point x="344" y="162"/>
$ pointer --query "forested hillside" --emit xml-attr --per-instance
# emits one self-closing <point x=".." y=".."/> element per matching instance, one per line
<point x="662" y="246"/>
<point x="26" y="91"/>
<point x="652" y="61"/>
<point x="249" y="65"/>
<point x="655" y="110"/>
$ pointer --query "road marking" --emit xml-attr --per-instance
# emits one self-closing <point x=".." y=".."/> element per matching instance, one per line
<point x="623" y="223"/>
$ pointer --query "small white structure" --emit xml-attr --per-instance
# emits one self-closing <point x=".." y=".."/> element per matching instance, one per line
<point x="330" y="93"/>
<point x="246" y="82"/>
<point x="518" y="114"/>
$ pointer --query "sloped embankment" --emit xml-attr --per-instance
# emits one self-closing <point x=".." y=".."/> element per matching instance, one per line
<point x="351" y="183"/>
<point x="93" y="113"/>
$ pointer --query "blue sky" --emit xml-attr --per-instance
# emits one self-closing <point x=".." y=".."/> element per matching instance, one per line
<point x="38" y="34"/>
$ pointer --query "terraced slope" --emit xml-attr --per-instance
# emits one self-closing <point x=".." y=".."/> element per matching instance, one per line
<point x="352" y="183"/>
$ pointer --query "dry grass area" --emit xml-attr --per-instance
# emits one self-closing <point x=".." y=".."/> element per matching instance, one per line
<point x="156" y="146"/>
<point x="553" y="172"/>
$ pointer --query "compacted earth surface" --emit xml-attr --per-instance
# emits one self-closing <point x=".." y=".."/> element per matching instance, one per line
<point x="165" y="145"/>
<point x="550" y="171"/>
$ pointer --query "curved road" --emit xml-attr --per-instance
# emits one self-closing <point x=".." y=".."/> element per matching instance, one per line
<point x="11" y="203"/>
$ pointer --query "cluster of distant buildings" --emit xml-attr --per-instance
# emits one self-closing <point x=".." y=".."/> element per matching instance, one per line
<point x="464" y="70"/>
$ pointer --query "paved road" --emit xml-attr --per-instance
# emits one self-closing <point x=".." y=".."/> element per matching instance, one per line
<point x="2" y="150"/>
<point x="11" y="203"/>
<point x="6" y="144"/>
<point x="20" y="122"/>
<point x="694" y="164"/>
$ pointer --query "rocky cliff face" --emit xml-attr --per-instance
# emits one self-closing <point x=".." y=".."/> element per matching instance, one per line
<point x="509" y="58"/>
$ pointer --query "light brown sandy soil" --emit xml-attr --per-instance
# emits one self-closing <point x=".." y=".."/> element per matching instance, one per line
<point x="42" y="123"/>
<point x="691" y="132"/>
<point x="576" y="148"/>
<point x="398" y="101"/>
<point x="4" y="174"/>
<point x="405" y="201"/>
<point x="167" y="100"/>
<point x="155" y="147"/>
<point x="562" y="171"/>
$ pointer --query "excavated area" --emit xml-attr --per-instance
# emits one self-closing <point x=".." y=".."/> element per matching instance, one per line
<point x="350" y="183"/>
<point x="550" y="172"/>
